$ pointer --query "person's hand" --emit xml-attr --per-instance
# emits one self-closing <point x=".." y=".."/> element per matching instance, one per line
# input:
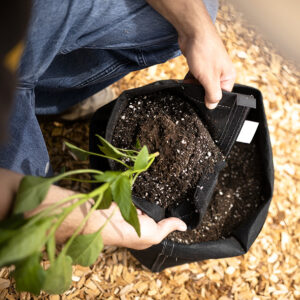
<point x="119" y="233"/>
<point x="209" y="64"/>
<point x="200" y="43"/>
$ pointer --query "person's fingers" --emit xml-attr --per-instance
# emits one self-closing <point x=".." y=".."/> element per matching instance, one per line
<point x="169" y="225"/>
<point x="227" y="85"/>
<point x="139" y="212"/>
<point x="228" y="78"/>
<point x="213" y="92"/>
<point x="211" y="84"/>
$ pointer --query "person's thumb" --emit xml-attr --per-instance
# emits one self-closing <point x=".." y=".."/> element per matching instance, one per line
<point x="213" y="92"/>
<point x="213" y="95"/>
<point x="169" y="225"/>
<point x="228" y="79"/>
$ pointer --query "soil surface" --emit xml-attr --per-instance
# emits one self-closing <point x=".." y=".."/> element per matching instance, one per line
<point x="237" y="195"/>
<point x="166" y="124"/>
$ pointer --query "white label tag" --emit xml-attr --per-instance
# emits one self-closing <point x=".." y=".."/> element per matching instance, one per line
<point x="247" y="132"/>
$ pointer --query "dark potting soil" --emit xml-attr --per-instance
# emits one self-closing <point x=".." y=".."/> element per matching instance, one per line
<point x="236" y="197"/>
<point x="166" y="124"/>
<point x="170" y="126"/>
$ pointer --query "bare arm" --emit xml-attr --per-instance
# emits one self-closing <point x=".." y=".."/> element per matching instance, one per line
<point x="117" y="232"/>
<point x="9" y="184"/>
<point x="200" y="43"/>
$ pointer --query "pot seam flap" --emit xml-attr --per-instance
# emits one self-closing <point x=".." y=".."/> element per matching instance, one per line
<point x="156" y="267"/>
<point x="235" y="130"/>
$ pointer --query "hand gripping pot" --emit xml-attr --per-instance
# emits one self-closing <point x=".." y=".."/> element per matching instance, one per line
<point x="224" y="124"/>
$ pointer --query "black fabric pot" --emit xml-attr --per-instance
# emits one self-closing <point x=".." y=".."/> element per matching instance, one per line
<point x="224" y="124"/>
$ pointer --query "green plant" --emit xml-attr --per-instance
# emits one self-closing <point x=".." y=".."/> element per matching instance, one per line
<point x="22" y="240"/>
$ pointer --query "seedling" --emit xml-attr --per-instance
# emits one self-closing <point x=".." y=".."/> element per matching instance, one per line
<point x="23" y="240"/>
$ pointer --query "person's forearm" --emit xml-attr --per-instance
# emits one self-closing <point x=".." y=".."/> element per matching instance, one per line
<point x="73" y="220"/>
<point x="9" y="184"/>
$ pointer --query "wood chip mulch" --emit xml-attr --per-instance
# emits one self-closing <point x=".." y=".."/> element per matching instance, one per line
<point x="271" y="268"/>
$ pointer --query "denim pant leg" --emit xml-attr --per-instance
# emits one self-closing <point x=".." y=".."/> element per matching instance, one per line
<point x="25" y="150"/>
<point x="73" y="50"/>
<point x="113" y="40"/>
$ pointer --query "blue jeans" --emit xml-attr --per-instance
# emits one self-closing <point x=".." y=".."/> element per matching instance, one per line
<point x="73" y="50"/>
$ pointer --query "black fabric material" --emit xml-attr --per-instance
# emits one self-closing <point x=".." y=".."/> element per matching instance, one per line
<point x="224" y="124"/>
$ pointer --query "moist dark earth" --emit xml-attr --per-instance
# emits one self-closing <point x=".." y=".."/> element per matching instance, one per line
<point x="166" y="124"/>
<point x="236" y="197"/>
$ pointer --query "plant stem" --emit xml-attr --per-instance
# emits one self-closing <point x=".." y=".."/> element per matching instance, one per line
<point x="109" y="218"/>
<point x="81" y="225"/>
<point x="74" y="172"/>
<point x="99" y="191"/>
<point x="109" y="157"/>
<point x="49" y="209"/>
<point x="65" y="213"/>
<point x="81" y="180"/>
<point x="155" y="154"/>
<point x="51" y="246"/>
<point x="125" y="150"/>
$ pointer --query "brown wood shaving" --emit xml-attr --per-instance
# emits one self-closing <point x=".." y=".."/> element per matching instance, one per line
<point x="271" y="268"/>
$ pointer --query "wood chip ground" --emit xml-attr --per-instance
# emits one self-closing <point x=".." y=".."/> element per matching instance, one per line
<point x="271" y="268"/>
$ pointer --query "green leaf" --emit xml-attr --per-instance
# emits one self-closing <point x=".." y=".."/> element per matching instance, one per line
<point x="85" y="249"/>
<point x="24" y="243"/>
<point x="59" y="275"/>
<point x="31" y="193"/>
<point x="80" y="153"/>
<point x="138" y="144"/>
<point x="133" y="219"/>
<point x="13" y="221"/>
<point x="8" y="227"/>
<point x="108" y="149"/>
<point x="121" y="192"/>
<point x="107" y="176"/>
<point x="107" y="200"/>
<point x="5" y="234"/>
<point x="29" y="275"/>
<point x="142" y="159"/>
<point x="130" y="153"/>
